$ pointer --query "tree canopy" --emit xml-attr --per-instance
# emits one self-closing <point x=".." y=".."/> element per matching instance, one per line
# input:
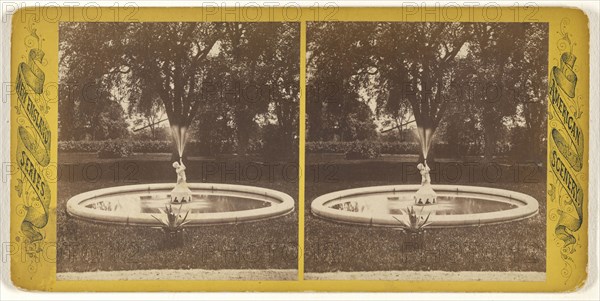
<point x="479" y="78"/>
<point x="224" y="75"/>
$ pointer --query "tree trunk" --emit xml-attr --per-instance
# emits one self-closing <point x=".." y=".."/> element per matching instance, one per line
<point x="490" y="133"/>
<point x="244" y="126"/>
<point x="315" y="121"/>
<point x="243" y="141"/>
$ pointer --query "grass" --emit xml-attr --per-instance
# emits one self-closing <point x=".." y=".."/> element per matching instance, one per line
<point x="86" y="246"/>
<point x="331" y="246"/>
<point x="272" y="244"/>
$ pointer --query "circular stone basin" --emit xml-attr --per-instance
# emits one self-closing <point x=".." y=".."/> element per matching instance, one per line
<point x="456" y="205"/>
<point x="211" y="204"/>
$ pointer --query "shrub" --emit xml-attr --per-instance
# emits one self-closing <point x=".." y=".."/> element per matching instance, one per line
<point x="193" y="147"/>
<point x="79" y="146"/>
<point x="440" y="148"/>
<point x="276" y="145"/>
<point x="139" y="146"/>
<point x="522" y="146"/>
<point x="151" y="146"/>
<point x="114" y="149"/>
<point x="326" y="146"/>
<point x="363" y="150"/>
<point x="401" y="148"/>
<point x="342" y="147"/>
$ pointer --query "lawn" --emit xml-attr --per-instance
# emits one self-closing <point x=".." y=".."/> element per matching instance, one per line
<point x="515" y="246"/>
<point x="272" y="244"/>
<point x="86" y="246"/>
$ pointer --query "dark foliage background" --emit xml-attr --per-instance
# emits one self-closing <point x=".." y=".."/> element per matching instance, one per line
<point x="236" y="85"/>
<point x="480" y="86"/>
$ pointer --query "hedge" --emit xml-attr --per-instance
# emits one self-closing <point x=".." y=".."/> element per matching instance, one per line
<point x="393" y="148"/>
<point x="360" y="150"/>
<point x="342" y="147"/>
<point x="147" y="146"/>
<point x="150" y="146"/>
<point x="198" y="148"/>
<point x="114" y="150"/>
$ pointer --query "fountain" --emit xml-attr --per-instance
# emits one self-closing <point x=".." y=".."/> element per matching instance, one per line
<point x="425" y="195"/>
<point x="204" y="203"/>
<point x="210" y="203"/>
<point x="445" y="205"/>
<point x="181" y="193"/>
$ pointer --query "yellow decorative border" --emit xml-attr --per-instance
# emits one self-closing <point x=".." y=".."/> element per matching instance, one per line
<point x="568" y="173"/>
<point x="33" y="217"/>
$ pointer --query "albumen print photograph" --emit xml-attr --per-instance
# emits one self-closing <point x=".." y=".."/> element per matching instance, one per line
<point x="178" y="151"/>
<point x="426" y="151"/>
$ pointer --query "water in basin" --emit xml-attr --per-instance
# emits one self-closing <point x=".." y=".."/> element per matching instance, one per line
<point x="152" y="203"/>
<point x="387" y="203"/>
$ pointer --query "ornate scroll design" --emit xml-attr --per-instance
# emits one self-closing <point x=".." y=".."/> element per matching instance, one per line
<point x="33" y="148"/>
<point x="566" y="152"/>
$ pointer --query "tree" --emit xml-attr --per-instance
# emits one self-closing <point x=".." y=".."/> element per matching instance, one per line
<point x="87" y="107"/>
<point x="282" y="69"/>
<point x="488" y="77"/>
<point x="498" y="51"/>
<point x="182" y="68"/>
<point x="338" y="67"/>
<point x="246" y="46"/>
<point x="144" y="62"/>
<point x="150" y="118"/>
<point x="256" y="76"/>
<point x="166" y="62"/>
<point x="415" y="62"/>
<point x="533" y="88"/>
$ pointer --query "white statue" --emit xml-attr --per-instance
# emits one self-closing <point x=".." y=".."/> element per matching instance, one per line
<point x="425" y="195"/>
<point x="180" y="170"/>
<point x="425" y="177"/>
<point x="181" y="193"/>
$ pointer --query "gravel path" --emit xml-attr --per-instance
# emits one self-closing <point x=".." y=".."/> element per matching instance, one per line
<point x="194" y="274"/>
<point x="429" y="276"/>
<point x="276" y="274"/>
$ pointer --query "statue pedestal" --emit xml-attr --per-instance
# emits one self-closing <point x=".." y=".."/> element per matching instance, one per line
<point x="425" y="195"/>
<point x="181" y="194"/>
